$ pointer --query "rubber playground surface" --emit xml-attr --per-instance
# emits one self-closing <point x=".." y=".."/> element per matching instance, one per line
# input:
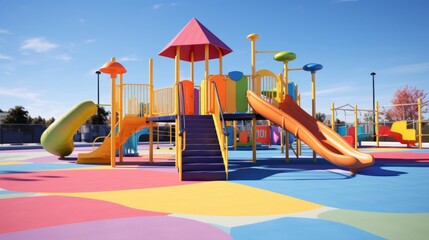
<point x="43" y="197"/>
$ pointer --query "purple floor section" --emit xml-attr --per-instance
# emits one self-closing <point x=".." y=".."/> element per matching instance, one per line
<point x="162" y="227"/>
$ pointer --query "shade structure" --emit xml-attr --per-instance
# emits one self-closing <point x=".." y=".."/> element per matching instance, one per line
<point x="113" y="68"/>
<point x="193" y="38"/>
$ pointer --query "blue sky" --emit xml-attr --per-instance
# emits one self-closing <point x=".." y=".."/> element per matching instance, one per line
<point x="49" y="50"/>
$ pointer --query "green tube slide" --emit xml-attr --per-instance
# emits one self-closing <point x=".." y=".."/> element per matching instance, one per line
<point x="58" y="137"/>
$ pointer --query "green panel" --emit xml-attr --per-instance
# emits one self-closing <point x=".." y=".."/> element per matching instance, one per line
<point x="240" y="92"/>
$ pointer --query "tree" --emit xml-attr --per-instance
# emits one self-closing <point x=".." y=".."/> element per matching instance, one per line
<point x="17" y="115"/>
<point x="406" y="100"/>
<point x="320" y="116"/>
<point x="102" y="120"/>
<point x="50" y="121"/>
<point x="38" y="120"/>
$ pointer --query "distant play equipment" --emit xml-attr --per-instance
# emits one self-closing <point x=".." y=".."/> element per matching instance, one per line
<point x="399" y="130"/>
<point x="355" y="134"/>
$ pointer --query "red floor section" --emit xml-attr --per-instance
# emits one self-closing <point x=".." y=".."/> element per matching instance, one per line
<point x="35" y="212"/>
<point x="404" y="156"/>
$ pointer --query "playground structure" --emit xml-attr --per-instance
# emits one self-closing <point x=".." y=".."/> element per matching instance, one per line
<point x="399" y="130"/>
<point x="201" y="116"/>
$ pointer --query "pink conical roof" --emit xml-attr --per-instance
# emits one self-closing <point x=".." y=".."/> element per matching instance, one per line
<point x="192" y="38"/>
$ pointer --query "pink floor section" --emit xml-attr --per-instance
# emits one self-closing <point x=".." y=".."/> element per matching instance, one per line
<point x="88" y="180"/>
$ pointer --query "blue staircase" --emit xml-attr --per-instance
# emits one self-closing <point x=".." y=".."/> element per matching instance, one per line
<point x="202" y="158"/>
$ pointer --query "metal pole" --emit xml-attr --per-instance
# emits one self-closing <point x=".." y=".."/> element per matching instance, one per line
<point x="373" y="103"/>
<point x="98" y="96"/>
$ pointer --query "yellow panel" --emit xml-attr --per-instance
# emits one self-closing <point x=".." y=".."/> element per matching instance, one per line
<point x="203" y="97"/>
<point x="231" y="103"/>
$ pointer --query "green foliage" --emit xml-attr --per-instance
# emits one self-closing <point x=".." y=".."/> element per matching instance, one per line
<point x="320" y="117"/>
<point x="17" y="115"/>
<point x="38" y="120"/>
<point x="50" y="121"/>
<point x="101" y="119"/>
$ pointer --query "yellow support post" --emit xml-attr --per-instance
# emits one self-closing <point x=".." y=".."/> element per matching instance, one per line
<point x="253" y="37"/>
<point x="192" y="67"/>
<point x="151" y="104"/>
<point x="206" y="77"/>
<point x="171" y="136"/>
<point x="234" y="134"/>
<point x="356" y="127"/>
<point x="150" y="141"/>
<point x="419" y="122"/>
<point x="113" y="68"/>
<point x="313" y="102"/>
<point x="176" y="111"/>
<point x="120" y="114"/>
<point x="113" y="124"/>
<point x="377" y="125"/>
<point x="220" y="62"/>
<point x="151" y="94"/>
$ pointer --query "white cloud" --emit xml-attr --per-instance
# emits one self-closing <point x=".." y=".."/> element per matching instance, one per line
<point x="162" y="5"/>
<point x="123" y="59"/>
<point x="411" y="68"/>
<point x="89" y="41"/>
<point x="38" y="45"/>
<point x="22" y="93"/>
<point x="4" y="57"/>
<point x="4" y="31"/>
<point x="63" y="57"/>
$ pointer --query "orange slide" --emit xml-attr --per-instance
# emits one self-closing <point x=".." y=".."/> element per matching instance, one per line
<point x="130" y="125"/>
<point x="322" y="139"/>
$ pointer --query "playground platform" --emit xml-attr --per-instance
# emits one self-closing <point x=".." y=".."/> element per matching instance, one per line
<point x="43" y="197"/>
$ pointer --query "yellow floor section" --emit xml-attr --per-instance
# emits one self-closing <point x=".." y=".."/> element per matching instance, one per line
<point x="207" y="198"/>
<point x="13" y="163"/>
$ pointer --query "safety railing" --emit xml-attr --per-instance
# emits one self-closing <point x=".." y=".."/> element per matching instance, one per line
<point x="136" y="99"/>
<point x="163" y="101"/>
<point x="269" y="86"/>
<point x="221" y="130"/>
